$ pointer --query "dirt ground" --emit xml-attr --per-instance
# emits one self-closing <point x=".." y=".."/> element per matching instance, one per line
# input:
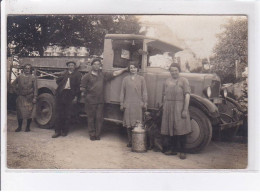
<point x="37" y="150"/>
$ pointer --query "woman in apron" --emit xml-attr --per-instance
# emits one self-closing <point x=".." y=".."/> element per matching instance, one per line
<point x="176" y="119"/>
<point x="133" y="99"/>
<point x="24" y="86"/>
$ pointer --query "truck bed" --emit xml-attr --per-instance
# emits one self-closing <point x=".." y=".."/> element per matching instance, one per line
<point x="53" y="63"/>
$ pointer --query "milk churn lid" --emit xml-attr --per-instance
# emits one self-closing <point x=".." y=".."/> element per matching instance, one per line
<point x="139" y="128"/>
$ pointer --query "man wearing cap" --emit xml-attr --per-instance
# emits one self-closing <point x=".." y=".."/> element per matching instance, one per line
<point x="92" y="87"/>
<point x="67" y="92"/>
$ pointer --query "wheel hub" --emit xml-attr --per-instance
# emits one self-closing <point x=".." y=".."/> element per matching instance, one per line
<point x="194" y="135"/>
<point x="44" y="112"/>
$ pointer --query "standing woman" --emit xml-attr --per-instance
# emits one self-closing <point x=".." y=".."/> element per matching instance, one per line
<point x="176" y="119"/>
<point x="133" y="99"/>
<point x="24" y="86"/>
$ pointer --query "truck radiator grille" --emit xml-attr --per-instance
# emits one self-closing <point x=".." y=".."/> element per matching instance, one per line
<point x="215" y="88"/>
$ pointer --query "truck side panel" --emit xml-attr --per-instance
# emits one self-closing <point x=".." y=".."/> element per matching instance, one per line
<point x="152" y="86"/>
<point x="113" y="89"/>
<point x="108" y="55"/>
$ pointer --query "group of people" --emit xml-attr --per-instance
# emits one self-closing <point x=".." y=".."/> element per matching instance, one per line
<point x="175" y="123"/>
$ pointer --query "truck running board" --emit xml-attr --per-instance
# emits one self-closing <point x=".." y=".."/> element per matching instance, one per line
<point x="106" y="119"/>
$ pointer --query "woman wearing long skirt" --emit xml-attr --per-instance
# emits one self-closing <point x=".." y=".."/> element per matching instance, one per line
<point x="133" y="99"/>
<point x="176" y="119"/>
<point x="24" y="86"/>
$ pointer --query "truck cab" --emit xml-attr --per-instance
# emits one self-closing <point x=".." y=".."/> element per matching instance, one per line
<point x="210" y="108"/>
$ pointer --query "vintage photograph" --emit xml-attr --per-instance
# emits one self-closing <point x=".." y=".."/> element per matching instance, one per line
<point x="127" y="92"/>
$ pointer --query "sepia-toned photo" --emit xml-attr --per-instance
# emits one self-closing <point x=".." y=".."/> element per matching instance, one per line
<point x="127" y="91"/>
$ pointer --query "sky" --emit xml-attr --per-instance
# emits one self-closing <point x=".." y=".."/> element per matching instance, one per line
<point x="197" y="32"/>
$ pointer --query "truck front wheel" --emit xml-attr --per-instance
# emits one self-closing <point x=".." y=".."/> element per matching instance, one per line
<point x="201" y="133"/>
<point x="45" y="111"/>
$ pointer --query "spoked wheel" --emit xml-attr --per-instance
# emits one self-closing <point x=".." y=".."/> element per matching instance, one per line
<point x="201" y="133"/>
<point x="45" y="111"/>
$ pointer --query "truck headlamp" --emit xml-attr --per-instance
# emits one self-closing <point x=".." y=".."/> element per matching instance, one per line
<point x="209" y="92"/>
<point x="225" y="93"/>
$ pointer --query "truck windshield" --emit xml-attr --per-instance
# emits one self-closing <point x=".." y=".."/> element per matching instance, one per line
<point x="160" y="60"/>
<point x="125" y="51"/>
<point x="159" y="56"/>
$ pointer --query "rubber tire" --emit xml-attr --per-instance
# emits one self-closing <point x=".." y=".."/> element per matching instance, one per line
<point x="49" y="100"/>
<point x="204" y="132"/>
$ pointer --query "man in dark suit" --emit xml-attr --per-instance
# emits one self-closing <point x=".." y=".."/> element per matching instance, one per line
<point x="67" y="93"/>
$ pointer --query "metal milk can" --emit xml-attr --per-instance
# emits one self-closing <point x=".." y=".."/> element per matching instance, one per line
<point x="139" y="139"/>
<point x="72" y="51"/>
<point x="83" y="51"/>
<point x="58" y="51"/>
<point x="48" y="51"/>
<point x="66" y="51"/>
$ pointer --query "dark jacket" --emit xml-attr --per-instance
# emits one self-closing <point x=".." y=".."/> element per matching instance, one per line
<point x="75" y="79"/>
<point x="93" y="86"/>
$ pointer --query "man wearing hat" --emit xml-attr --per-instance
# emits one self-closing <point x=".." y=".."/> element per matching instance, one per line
<point x="67" y="92"/>
<point x="92" y="86"/>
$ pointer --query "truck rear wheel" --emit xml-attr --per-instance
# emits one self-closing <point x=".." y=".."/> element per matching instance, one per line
<point x="45" y="111"/>
<point x="201" y="133"/>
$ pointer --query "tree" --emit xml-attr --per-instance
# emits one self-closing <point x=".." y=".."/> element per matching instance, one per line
<point x="232" y="46"/>
<point x="33" y="33"/>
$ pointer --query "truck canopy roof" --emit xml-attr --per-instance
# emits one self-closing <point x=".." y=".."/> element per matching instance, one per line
<point x="155" y="43"/>
<point x="126" y="36"/>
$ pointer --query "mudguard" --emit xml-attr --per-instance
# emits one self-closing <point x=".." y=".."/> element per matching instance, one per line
<point x="244" y="111"/>
<point x="204" y="104"/>
<point x="46" y="86"/>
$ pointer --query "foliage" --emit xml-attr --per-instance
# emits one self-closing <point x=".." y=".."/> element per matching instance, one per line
<point x="33" y="33"/>
<point x="243" y="101"/>
<point x="200" y="69"/>
<point x="197" y="70"/>
<point x="204" y="61"/>
<point x="232" y="45"/>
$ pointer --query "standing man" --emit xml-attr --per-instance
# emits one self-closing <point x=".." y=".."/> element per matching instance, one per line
<point x="92" y="86"/>
<point x="68" y="92"/>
